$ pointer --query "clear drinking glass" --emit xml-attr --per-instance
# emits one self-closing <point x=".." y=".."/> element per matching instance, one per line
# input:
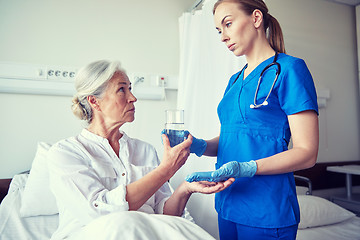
<point x="174" y="126"/>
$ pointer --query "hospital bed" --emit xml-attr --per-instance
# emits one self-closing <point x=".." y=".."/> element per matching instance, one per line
<point x="28" y="211"/>
<point x="321" y="219"/>
<point x="14" y="226"/>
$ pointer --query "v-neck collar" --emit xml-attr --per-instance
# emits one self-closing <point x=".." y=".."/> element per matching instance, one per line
<point x="257" y="70"/>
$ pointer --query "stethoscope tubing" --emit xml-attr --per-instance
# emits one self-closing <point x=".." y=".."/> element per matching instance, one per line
<point x="265" y="102"/>
<point x="278" y="70"/>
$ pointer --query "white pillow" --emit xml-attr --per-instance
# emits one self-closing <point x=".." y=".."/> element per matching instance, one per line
<point x="37" y="198"/>
<point x="317" y="211"/>
<point x="300" y="190"/>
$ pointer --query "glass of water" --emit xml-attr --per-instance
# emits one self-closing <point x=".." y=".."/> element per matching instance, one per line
<point x="174" y="126"/>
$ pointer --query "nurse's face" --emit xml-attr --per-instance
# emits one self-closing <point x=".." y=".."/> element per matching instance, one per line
<point x="117" y="103"/>
<point x="235" y="27"/>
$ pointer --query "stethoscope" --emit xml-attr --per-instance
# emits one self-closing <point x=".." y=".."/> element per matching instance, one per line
<point x="265" y="102"/>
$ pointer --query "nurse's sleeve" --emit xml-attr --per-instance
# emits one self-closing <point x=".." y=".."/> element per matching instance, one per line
<point x="296" y="91"/>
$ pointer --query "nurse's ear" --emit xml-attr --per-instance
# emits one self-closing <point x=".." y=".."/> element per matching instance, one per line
<point x="257" y="17"/>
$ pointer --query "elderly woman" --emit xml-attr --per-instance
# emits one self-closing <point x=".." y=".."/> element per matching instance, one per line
<point x="103" y="172"/>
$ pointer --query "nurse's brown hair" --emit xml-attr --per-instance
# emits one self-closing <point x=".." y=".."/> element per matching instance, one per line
<point x="271" y="25"/>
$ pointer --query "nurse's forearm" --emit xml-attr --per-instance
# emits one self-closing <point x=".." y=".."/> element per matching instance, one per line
<point x="212" y="147"/>
<point x="304" y="128"/>
<point x="175" y="205"/>
<point x="288" y="161"/>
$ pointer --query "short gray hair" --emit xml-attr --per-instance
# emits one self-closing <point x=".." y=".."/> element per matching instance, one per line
<point x="92" y="80"/>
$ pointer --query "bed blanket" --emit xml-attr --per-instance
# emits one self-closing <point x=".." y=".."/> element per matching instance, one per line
<point x="129" y="225"/>
<point x="133" y="225"/>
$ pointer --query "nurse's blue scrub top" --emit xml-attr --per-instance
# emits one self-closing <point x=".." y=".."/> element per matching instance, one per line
<point x="267" y="201"/>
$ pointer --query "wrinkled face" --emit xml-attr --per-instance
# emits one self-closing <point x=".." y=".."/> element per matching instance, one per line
<point x="235" y="27"/>
<point x="117" y="104"/>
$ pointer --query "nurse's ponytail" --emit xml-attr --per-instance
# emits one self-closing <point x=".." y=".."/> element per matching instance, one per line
<point x="271" y="25"/>
<point x="274" y="33"/>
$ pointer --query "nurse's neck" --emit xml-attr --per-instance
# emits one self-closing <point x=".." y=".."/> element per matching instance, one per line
<point x="254" y="58"/>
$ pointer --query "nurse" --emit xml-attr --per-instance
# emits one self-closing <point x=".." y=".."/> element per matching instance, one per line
<point x="253" y="141"/>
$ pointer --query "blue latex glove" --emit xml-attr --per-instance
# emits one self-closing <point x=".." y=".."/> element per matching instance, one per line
<point x="198" y="146"/>
<point x="232" y="169"/>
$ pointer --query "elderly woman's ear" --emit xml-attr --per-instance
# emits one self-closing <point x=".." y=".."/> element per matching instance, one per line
<point x="93" y="102"/>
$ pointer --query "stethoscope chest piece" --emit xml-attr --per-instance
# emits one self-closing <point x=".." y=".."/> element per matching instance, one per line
<point x="259" y="105"/>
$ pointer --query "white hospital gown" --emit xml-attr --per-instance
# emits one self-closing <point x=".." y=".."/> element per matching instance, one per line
<point x="89" y="180"/>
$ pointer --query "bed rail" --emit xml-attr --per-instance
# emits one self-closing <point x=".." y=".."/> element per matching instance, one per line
<point x="323" y="179"/>
<point x="304" y="181"/>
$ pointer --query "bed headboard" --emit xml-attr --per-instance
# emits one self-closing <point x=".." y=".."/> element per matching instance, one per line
<point x="323" y="179"/>
<point x="4" y="187"/>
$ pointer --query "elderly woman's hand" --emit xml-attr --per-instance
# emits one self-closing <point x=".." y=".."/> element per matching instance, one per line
<point x="206" y="187"/>
<point x="175" y="157"/>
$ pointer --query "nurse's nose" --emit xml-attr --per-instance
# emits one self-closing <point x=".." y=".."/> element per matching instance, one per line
<point x="224" y="37"/>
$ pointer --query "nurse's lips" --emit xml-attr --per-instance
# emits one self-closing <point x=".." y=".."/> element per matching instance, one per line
<point x="231" y="47"/>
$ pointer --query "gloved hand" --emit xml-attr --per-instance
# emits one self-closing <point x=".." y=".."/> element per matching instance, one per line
<point x="198" y="146"/>
<point x="232" y="169"/>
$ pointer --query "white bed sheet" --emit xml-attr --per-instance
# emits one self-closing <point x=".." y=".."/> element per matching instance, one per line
<point x="347" y="230"/>
<point x="14" y="227"/>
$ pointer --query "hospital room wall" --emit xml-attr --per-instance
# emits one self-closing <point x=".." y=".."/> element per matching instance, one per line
<point x="143" y="35"/>
<point x="323" y="33"/>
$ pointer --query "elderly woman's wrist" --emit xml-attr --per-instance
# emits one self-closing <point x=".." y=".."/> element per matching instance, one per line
<point x="186" y="189"/>
<point x="166" y="171"/>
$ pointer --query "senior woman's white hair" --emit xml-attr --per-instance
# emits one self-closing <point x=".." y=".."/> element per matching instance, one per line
<point x="92" y="80"/>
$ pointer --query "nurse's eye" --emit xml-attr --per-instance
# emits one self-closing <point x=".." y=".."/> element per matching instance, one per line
<point x="121" y="89"/>
<point x="228" y="24"/>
